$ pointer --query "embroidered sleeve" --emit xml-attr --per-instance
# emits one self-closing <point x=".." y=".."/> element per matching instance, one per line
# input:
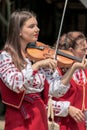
<point x="56" y="89"/>
<point x="11" y="76"/>
<point x="60" y="108"/>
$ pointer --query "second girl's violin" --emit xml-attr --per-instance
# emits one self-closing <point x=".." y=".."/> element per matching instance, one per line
<point x="39" y="51"/>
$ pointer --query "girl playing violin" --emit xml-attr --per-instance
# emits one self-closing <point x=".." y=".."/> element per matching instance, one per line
<point x="70" y="108"/>
<point x="25" y="86"/>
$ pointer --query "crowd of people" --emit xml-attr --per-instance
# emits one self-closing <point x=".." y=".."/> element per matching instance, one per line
<point x="26" y="85"/>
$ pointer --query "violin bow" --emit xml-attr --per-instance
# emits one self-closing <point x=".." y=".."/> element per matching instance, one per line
<point x="55" y="56"/>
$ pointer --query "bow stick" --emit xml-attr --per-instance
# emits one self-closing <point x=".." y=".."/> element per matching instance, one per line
<point x="56" y="50"/>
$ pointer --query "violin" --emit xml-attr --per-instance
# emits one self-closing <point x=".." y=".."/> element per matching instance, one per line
<point x="39" y="51"/>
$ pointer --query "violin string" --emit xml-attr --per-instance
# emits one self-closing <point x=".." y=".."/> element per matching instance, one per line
<point x="55" y="56"/>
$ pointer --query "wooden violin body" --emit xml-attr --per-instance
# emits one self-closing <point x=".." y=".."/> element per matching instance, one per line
<point x="39" y="51"/>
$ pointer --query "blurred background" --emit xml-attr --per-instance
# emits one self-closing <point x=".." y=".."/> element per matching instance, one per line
<point x="49" y="14"/>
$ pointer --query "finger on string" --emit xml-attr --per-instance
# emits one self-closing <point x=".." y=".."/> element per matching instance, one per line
<point x="83" y="58"/>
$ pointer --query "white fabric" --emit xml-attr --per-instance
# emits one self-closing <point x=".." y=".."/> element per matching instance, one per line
<point x="27" y="80"/>
<point x="60" y="108"/>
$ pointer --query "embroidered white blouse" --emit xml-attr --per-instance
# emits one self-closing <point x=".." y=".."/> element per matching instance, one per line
<point x="29" y="80"/>
<point x="61" y="107"/>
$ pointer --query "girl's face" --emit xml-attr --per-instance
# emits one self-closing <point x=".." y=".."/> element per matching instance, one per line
<point x="29" y="31"/>
<point x="81" y="48"/>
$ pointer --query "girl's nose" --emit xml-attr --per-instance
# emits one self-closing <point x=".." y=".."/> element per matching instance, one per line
<point x="37" y="29"/>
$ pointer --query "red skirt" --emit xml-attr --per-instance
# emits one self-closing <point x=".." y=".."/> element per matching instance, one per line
<point x="35" y="113"/>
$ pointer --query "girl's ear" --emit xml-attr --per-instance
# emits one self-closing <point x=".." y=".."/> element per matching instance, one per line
<point x="20" y="34"/>
<point x="71" y="49"/>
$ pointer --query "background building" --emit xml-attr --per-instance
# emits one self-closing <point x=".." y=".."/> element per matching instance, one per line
<point x="49" y="13"/>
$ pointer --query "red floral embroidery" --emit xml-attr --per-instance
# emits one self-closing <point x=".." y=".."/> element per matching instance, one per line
<point x="16" y="78"/>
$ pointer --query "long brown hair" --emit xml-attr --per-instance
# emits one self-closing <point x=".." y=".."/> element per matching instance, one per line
<point x="12" y="45"/>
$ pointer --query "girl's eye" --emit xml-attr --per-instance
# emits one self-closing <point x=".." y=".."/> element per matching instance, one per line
<point x="32" y="26"/>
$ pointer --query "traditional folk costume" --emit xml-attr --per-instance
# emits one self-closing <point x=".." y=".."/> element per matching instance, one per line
<point x="77" y="97"/>
<point x="25" y="94"/>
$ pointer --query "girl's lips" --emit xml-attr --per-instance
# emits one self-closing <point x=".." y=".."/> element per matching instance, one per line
<point x="36" y="35"/>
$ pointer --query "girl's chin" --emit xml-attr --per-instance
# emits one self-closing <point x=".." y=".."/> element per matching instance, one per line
<point x="34" y="40"/>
